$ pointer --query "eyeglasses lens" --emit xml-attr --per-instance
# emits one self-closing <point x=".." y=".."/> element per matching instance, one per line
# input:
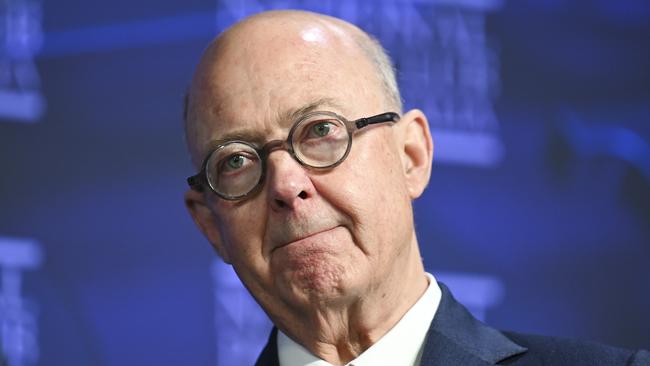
<point x="234" y="169"/>
<point x="320" y="141"/>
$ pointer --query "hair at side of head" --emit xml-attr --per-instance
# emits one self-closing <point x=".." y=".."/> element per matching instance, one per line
<point x="382" y="62"/>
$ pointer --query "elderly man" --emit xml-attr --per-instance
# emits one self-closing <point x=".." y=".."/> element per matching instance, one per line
<point x="307" y="173"/>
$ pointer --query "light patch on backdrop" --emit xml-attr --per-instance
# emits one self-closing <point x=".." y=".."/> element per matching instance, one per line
<point x="18" y="315"/>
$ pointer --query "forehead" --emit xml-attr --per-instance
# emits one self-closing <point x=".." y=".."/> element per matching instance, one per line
<point x="260" y="81"/>
<point x="250" y="130"/>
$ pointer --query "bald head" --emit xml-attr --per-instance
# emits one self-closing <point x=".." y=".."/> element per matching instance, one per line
<point x="274" y="52"/>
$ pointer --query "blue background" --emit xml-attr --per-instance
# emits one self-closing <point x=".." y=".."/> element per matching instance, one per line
<point x="562" y="221"/>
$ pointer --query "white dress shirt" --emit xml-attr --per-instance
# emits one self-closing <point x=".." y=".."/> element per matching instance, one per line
<point x="401" y="346"/>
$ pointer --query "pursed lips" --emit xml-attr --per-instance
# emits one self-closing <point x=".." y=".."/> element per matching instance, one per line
<point x="298" y="238"/>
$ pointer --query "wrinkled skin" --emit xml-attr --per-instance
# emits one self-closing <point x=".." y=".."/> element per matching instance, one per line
<point x="331" y="256"/>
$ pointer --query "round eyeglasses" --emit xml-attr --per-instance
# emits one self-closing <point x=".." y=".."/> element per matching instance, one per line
<point x="318" y="140"/>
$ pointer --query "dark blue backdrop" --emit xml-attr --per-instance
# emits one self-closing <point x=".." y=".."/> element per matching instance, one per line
<point x="540" y="112"/>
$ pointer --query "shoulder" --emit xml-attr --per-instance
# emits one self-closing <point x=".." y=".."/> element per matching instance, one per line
<point x="562" y="351"/>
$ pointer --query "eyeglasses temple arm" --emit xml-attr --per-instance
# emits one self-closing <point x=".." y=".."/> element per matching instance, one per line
<point x="380" y="118"/>
<point x="195" y="182"/>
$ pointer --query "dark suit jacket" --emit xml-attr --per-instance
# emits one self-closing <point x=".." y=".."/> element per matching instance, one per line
<point x="455" y="337"/>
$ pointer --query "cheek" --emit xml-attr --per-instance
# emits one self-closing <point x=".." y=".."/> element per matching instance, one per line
<point x="369" y="186"/>
<point x="376" y="168"/>
<point x="243" y="235"/>
<point x="242" y="230"/>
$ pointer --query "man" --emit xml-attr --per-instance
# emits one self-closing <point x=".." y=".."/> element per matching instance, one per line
<point x="307" y="171"/>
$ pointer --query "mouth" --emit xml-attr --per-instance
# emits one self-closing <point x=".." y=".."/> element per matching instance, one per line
<point x="304" y="238"/>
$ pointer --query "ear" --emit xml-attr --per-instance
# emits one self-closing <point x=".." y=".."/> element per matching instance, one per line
<point x="417" y="154"/>
<point x="206" y="220"/>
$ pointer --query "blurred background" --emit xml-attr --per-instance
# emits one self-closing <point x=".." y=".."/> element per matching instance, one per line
<point x="537" y="214"/>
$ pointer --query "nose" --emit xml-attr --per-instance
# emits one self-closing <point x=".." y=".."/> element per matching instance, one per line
<point x="288" y="182"/>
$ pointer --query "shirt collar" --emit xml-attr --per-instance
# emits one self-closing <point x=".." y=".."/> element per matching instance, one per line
<point x="401" y="346"/>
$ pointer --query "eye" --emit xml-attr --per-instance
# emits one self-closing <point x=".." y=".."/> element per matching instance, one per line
<point x="321" y="129"/>
<point x="235" y="162"/>
<point x="320" y="132"/>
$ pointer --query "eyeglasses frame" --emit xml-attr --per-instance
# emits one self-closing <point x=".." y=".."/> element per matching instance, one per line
<point x="198" y="181"/>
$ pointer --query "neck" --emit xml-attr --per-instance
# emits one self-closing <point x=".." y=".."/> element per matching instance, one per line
<point x="340" y="333"/>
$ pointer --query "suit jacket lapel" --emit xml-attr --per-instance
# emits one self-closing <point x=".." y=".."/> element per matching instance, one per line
<point x="269" y="355"/>
<point x="457" y="338"/>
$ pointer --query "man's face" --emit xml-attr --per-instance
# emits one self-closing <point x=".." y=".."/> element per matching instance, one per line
<point x="306" y="237"/>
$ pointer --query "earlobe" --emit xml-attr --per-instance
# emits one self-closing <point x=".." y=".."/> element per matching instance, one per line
<point x="418" y="151"/>
<point x="205" y="219"/>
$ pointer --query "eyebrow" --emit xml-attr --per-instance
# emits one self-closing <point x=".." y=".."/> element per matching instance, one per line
<point x="285" y="119"/>
<point x="289" y="117"/>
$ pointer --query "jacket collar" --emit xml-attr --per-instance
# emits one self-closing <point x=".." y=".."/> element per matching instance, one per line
<point x="454" y="338"/>
<point x="457" y="338"/>
<point x="269" y="355"/>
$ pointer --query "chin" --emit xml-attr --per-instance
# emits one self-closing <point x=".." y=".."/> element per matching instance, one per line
<point x="319" y="284"/>
<point x="317" y="271"/>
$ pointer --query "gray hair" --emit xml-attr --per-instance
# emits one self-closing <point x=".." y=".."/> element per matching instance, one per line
<point x="382" y="62"/>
